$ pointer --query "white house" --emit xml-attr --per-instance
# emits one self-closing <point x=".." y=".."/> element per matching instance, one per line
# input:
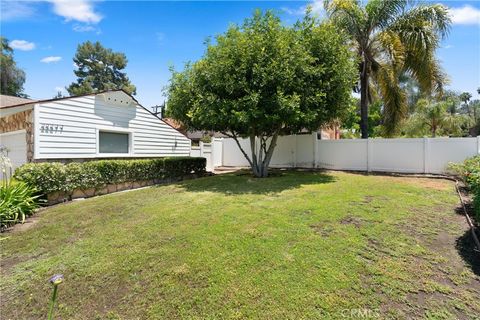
<point x="109" y="124"/>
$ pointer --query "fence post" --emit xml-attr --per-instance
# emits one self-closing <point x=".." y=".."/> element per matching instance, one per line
<point x="200" y="144"/>
<point x="478" y="144"/>
<point x="294" y="149"/>
<point x="315" y="149"/>
<point x="369" y="155"/>
<point x="426" y="148"/>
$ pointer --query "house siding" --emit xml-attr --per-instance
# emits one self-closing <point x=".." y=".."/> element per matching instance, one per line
<point x="68" y="129"/>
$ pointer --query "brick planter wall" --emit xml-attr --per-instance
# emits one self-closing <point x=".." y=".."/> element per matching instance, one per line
<point x="59" y="197"/>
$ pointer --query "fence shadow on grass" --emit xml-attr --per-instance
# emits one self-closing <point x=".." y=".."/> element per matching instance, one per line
<point x="466" y="248"/>
<point x="242" y="182"/>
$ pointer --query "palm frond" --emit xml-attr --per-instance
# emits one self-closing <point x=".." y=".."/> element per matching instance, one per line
<point x="382" y="12"/>
<point x="394" y="99"/>
<point x="389" y="47"/>
<point x="348" y="15"/>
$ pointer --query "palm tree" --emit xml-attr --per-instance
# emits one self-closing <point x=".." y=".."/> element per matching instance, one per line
<point x="392" y="38"/>
<point x="465" y="98"/>
<point x="434" y="117"/>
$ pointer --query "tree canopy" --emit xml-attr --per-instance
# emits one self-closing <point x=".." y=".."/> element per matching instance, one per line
<point x="99" y="69"/>
<point x="392" y="38"/>
<point x="12" y="77"/>
<point x="263" y="79"/>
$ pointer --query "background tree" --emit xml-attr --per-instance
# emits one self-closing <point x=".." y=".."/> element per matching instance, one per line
<point x="99" y="69"/>
<point x="12" y="78"/>
<point x="433" y="118"/>
<point x="350" y="123"/>
<point x="391" y="38"/>
<point x="264" y="79"/>
<point x="465" y="98"/>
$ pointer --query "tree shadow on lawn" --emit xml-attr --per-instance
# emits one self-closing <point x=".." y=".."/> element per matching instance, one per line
<point x="243" y="182"/>
<point x="466" y="248"/>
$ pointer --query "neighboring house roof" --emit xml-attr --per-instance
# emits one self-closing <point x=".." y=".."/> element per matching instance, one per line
<point x="174" y="124"/>
<point x="9" y="101"/>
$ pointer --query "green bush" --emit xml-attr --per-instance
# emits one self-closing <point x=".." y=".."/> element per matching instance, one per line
<point x="476" y="204"/>
<point x="50" y="177"/>
<point x="469" y="171"/>
<point x="47" y="177"/>
<point x="17" y="201"/>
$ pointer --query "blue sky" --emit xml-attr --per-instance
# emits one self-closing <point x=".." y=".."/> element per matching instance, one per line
<point x="157" y="34"/>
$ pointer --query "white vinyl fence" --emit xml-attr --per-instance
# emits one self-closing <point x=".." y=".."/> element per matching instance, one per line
<point x="423" y="155"/>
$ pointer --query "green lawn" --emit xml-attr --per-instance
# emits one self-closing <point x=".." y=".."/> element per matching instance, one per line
<point x="295" y="245"/>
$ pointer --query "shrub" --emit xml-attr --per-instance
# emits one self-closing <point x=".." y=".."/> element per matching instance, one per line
<point x="17" y="201"/>
<point x="469" y="171"/>
<point x="50" y="177"/>
<point x="476" y="204"/>
<point x="46" y="177"/>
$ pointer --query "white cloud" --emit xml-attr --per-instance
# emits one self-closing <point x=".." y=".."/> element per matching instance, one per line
<point x="22" y="45"/>
<point x="465" y="15"/>
<point x="83" y="28"/>
<point x="78" y="10"/>
<point x="448" y="46"/>
<point x="316" y="6"/>
<point x="60" y="89"/>
<point x="51" y="59"/>
<point x="13" y="10"/>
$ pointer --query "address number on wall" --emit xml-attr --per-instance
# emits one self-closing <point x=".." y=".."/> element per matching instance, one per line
<point x="51" y="128"/>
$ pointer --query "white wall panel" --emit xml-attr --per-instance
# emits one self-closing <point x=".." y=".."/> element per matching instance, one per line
<point x="70" y="128"/>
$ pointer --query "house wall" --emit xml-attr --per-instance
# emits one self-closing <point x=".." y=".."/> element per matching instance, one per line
<point x="68" y="128"/>
<point x="20" y="121"/>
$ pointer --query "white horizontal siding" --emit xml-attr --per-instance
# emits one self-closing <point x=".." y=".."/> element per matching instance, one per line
<point x="77" y="121"/>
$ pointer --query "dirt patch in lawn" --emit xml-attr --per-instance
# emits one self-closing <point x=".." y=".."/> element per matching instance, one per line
<point x="437" y="184"/>
<point x="356" y="221"/>
<point x="448" y="265"/>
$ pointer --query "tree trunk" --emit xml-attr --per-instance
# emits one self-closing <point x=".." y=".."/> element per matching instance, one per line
<point x="261" y="160"/>
<point x="364" y="101"/>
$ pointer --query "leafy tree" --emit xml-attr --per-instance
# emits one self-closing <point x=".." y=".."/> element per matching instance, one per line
<point x="99" y="69"/>
<point x="12" y="78"/>
<point x="391" y="38"/>
<point x="263" y="79"/>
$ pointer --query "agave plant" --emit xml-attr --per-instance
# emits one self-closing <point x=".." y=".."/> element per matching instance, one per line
<point x="17" y="201"/>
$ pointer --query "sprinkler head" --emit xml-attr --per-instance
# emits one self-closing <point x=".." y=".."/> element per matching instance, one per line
<point x="56" y="279"/>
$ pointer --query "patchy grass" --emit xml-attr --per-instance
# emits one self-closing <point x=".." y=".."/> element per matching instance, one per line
<point x="296" y="245"/>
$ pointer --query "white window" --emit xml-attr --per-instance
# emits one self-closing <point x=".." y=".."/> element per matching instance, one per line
<point x="113" y="142"/>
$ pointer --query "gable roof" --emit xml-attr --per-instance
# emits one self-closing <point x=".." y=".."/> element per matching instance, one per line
<point x="28" y="101"/>
<point x="10" y="101"/>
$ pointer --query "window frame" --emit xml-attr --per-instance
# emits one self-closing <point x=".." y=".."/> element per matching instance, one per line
<point x="114" y="130"/>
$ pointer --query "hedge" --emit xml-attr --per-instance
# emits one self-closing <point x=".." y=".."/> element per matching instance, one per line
<point x="48" y="177"/>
